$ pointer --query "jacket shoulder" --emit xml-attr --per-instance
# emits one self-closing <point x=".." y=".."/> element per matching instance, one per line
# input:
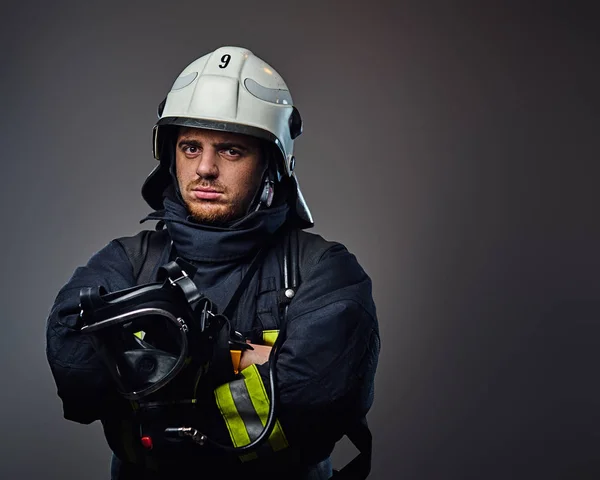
<point x="144" y="251"/>
<point x="313" y="243"/>
<point x="314" y="249"/>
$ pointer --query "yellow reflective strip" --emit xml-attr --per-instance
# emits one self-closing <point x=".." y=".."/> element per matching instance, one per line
<point x="269" y="337"/>
<point x="248" y="456"/>
<point x="140" y="334"/>
<point x="277" y="438"/>
<point x="260" y="401"/>
<point x="235" y="424"/>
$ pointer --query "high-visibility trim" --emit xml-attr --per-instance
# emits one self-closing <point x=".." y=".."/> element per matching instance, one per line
<point x="141" y="334"/>
<point x="269" y="337"/>
<point x="260" y="401"/>
<point x="235" y="424"/>
<point x="244" y="405"/>
<point x="249" y="456"/>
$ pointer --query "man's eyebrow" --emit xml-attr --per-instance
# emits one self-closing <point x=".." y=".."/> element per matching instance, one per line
<point x="188" y="141"/>
<point x="219" y="145"/>
<point x="226" y="145"/>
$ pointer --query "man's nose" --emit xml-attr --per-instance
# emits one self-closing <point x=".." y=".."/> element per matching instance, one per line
<point x="207" y="166"/>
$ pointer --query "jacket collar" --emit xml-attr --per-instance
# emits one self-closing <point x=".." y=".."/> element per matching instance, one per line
<point x="203" y="243"/>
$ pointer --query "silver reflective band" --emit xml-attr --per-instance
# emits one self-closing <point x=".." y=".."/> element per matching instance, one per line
<point x="245" y="408"/>
<point x="184" y="81"/>
<point x="272" y="95"/>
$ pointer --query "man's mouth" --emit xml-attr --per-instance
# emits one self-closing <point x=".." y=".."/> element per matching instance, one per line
<point x="206" y="193"/>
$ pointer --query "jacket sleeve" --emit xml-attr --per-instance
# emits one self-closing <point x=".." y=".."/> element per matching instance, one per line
<point x="83" y="383"/>
<point x="327" y="362"/>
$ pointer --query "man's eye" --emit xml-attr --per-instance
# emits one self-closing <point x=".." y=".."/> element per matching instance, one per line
<point x="232" y="152"/>
<point x="190" y="149"/>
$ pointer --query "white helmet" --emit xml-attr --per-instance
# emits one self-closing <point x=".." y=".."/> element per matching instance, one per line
<point x="230" y="90"/>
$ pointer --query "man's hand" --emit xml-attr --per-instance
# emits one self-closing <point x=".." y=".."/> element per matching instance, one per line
<point x="258" y="356"/>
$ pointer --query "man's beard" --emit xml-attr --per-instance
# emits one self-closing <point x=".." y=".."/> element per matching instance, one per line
<point x="222" y="215"/>
<point x="215" y="213"/>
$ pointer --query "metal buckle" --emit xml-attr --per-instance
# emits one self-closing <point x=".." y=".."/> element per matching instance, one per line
<point x="174" y="282"/>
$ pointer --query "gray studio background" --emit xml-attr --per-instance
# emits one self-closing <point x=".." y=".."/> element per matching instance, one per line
<point x="452" y="147"/>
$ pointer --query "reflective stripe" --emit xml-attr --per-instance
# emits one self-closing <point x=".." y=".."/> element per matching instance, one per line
<point x="260" y="401"/>
<point x="245" y="408"/>
<point x="269" y="337"/>
<point x="235" y="424"/>
<point x="246" y="413"/>
<point x="244" y="405"/>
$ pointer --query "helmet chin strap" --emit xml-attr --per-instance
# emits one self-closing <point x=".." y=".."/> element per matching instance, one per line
<point x="263" y="198"/>
<point x="265" y="193"/>
<point x="268" y="191"/>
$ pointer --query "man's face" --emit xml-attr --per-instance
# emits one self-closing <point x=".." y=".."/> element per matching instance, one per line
<point x="218" y="173"/>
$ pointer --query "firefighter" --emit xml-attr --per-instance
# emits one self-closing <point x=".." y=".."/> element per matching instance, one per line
<point x="223" y="190"/>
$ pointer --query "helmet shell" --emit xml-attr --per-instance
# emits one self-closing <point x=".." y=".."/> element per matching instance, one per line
<point x="229" y="90"/>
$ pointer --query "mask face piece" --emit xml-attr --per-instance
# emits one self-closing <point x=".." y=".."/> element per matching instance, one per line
<point x="144" y="349"/>
<point x="144" y="334"/>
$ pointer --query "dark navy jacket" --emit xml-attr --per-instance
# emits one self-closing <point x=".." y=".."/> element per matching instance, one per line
<point x="326" y="365"/>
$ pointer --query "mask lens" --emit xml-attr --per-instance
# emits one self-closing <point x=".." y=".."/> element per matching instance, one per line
<point x="144" y="350"/>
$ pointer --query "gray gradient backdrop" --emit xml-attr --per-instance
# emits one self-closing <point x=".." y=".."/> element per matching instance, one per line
<point x="452" y="148"/>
